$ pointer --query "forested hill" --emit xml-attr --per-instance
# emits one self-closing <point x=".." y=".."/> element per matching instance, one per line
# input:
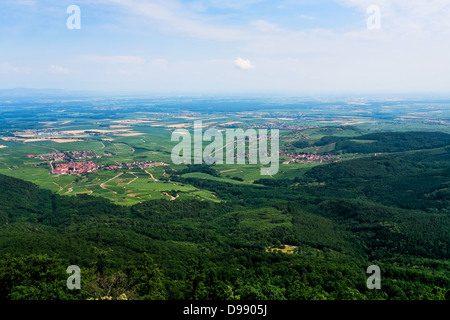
<point x="311" y="237"/>
<point x="22" y="200"/>
<point x="382" y="142"/>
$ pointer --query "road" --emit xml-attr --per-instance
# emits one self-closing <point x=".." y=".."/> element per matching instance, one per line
<point x="102" y="185"/>
<point x="151" y="176"/>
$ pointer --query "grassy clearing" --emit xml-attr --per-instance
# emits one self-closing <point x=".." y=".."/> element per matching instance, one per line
<point x="284" y="248"/>
<point x="201" y="175"/>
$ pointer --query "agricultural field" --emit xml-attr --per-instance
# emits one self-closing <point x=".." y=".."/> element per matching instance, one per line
<point x="128" y="135"/>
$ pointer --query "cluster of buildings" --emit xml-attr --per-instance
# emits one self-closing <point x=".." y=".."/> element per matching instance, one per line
<point x="281" y="126"/>
<point x="133" y="165"/>
<point x="63" y="162"/>
<point x="89" y="166"/>
<point x="57" y="156"/>
<point x="69" y="155"/>
<point x="74" y="167"/>
<point x="84" y="154"/>
<point x="309" y="157"/>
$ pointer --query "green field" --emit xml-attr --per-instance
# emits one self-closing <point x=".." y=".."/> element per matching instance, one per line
<point x="142" y="135"/>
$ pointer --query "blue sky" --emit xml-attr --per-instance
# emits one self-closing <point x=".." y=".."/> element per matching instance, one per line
<point x="227" y="46"/>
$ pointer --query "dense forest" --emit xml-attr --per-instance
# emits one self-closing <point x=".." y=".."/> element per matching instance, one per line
<point x="381" y="142"/>
<point x="389" y="210"/>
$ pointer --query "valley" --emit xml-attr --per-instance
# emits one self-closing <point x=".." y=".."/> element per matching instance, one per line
<point x="95" y="186"/>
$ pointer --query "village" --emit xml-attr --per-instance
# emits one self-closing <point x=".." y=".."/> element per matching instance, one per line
<point x="309" y="157"/>
<point x="278" y="125"/>
<point x="66" y="166"/>
<point x="76" y="168"/>
<point x="84" y="154"/>
<point x="69" y="155"/>
<point x="58" y="156"/>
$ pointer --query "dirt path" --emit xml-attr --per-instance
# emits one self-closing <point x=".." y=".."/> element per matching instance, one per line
<point x="269" y="173"/>
<point x="132" y="195"/>
<point x="34" y="145"/>
<point x="69" y="190"/>
<point x="151" y="176"/>
<point x="133" y="173"/>
<point x="60" y="188"/>
<point x="103" y="185"/>
<point x="211" y="154"/>
<point x="171" y="197"/>
<point x="6" y="165"/>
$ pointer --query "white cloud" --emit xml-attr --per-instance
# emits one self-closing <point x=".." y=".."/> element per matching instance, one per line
<point x="173" y="17"/>
<point x="160" y="62"/>
<point x="233" y="4"/>
<point x="23" y="2"/>
<point x="8" y="68"/>
<point x="58" y="69"/>
<point x="243" y="64"/>
<point x="264" y="26"/>
<point x="113" y="59"/>
<point x="306" y="17"/>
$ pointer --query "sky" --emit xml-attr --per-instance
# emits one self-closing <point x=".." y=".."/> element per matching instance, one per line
<point x="227" y="46"/>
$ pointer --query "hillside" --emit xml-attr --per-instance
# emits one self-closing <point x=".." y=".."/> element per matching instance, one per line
<point x="337" y="219"/>
<point x="386" y="142"/>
